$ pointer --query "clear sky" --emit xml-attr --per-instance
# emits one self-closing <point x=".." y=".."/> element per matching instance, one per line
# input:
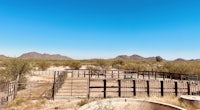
<point x="101" y="28"/>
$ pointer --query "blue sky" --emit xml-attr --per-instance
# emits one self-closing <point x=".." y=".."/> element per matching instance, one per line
<point x="101" y="28"/>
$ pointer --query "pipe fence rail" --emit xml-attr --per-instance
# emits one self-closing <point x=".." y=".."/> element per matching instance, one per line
<point x="109" y="88"/>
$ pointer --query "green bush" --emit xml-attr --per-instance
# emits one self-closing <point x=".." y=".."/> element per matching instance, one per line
<point x="75" y="65"/>
<point x="43" y="65"/>
<point x="15" y="69"/>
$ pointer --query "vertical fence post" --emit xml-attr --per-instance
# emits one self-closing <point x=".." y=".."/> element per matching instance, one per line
<point x="104" y="83"/>
<point x="119" y="88"/>
<point x="89" y="87"/>
<point x="112" y="74"/>
<point x="53" y="88"/>
<point x="162" y="88"/>
<point x="155" y="75"/>
<point x="134" y="88"/>
<point x="143" y="75"/>
<point x="84" y="73"/>
<point x="72" y="73"/>
<point x="180" y="77"/>
<point x="188" y="88"/>
<point x="176" y="88"/>
<point x="78" y="73"/>
<point x="148" y="93"/>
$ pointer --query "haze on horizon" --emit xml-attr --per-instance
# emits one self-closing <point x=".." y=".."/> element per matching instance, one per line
<point x="101" y="28"/>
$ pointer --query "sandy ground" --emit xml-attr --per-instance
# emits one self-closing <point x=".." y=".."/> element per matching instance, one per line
<point x="33" y="98"/>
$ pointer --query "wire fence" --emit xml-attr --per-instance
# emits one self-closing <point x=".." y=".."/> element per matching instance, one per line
<point x="8" y="92"/>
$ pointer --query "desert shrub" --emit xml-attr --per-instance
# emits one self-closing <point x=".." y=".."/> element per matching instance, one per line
<point x="82" y="102"/>
<point x="102" y="64"/>
<point x="16" y="69"/>
<point x="75" y="65"/>
<point x="119" y="64"/>
<point x="159" y="59"/>
<point x="43" y="65"/>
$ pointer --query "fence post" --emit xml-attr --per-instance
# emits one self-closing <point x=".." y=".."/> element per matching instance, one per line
<point x="104" y="90"/>
<point x="78" y="73"/>
<point x="119" y="88"/>
<point x="84" y="73"/>
<point x="162" y="88"/>
<point x="148" y="94"/>
<point x="180" y="77"/>
<point x="53" y="88"/>
<point x="143" y="75"/>
<point x="155" y="75"/>
<point x="188" y="87"/>
<point x="89" y="87"/>
<point x="134" y="88"/>
<point x="176" y="88"/>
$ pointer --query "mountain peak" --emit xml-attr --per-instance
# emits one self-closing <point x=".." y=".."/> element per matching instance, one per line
<point x="36" y="55"/>
<point x="135" y="57"/>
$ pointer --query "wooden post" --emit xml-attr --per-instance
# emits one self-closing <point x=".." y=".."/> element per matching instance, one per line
<point x="149" y="75"/>
<point x="180" y="77"/>
<point x="155" y="75"/>
<point x="84" y="73"/>
<point x="148" y="93"/>
<point x="104" y="83"/>
<point x="162" y="88"/>
<point x="88" y="87"/>
<point x="134" y="88"/>
<point x="143" y="74"/>
<point x="188" y="87"/>
<point x="112" y="74"/>
<point x="78" y="73"/>
<point x="53" y="88"/>
<point x="176" y="88"/>
<point x="119" y="88"/>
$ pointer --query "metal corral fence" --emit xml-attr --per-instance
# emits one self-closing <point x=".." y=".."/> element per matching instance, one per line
<point x="8" y="92"/>
<point x="128" y="74"/>
<point x="109" y="88"/>
<point x="120" y="83"/>
<point x="43" y="73"/>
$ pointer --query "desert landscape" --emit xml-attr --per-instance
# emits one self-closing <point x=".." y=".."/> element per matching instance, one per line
<point x="69" y="84"/>
<point x="99" y="55"/>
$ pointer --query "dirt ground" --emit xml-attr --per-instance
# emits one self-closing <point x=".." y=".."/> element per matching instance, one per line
<point x="33" y="97"/>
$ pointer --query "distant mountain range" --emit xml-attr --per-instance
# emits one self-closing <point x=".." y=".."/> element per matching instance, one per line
<point x="36" y="55"/>
<point x="3" y="57"/>
<point x="135" y="58"/>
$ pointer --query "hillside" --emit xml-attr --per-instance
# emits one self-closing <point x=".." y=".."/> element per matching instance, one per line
<point x="35" y="55"/>
<point x="135" y="58"/>
<point x="3" y="57"/>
